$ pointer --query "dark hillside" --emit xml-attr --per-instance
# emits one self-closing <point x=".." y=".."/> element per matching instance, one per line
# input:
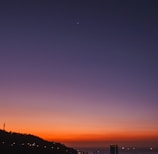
<point x="15" y="143"/>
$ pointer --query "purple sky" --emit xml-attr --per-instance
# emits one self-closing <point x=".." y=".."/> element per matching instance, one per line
<point x="91" y="59"/>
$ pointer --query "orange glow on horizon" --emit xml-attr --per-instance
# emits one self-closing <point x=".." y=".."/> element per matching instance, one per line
<point x="81" y="134"/>
<point x="70" y="129"/>
<point x="99" y="137"/>
<point x="78" y="136"/>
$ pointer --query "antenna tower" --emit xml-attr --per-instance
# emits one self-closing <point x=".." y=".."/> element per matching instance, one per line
<point x="4" y="126"/>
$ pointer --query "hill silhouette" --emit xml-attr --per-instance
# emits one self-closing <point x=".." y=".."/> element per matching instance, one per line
<point x="16" y="143"/>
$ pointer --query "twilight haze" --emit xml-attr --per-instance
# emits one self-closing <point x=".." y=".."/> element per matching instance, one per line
<point x="80" y="72"/>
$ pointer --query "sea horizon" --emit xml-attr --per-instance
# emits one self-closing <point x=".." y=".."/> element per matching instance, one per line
<point x="121" y="150"/>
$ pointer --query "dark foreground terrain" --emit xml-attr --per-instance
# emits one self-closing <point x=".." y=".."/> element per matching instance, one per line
<point x="15" y="143"/>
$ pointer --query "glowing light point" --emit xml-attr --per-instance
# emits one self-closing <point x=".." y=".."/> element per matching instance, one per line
<point x="123" y="148"/>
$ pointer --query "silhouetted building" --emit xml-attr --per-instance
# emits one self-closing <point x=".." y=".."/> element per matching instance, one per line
<point x="114" y="149"/>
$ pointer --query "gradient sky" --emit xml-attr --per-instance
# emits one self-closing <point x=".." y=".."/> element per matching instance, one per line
<point x="80" y="72"/>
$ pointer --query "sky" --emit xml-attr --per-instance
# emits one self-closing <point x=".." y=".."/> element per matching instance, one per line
<point x="83" y="73"/>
